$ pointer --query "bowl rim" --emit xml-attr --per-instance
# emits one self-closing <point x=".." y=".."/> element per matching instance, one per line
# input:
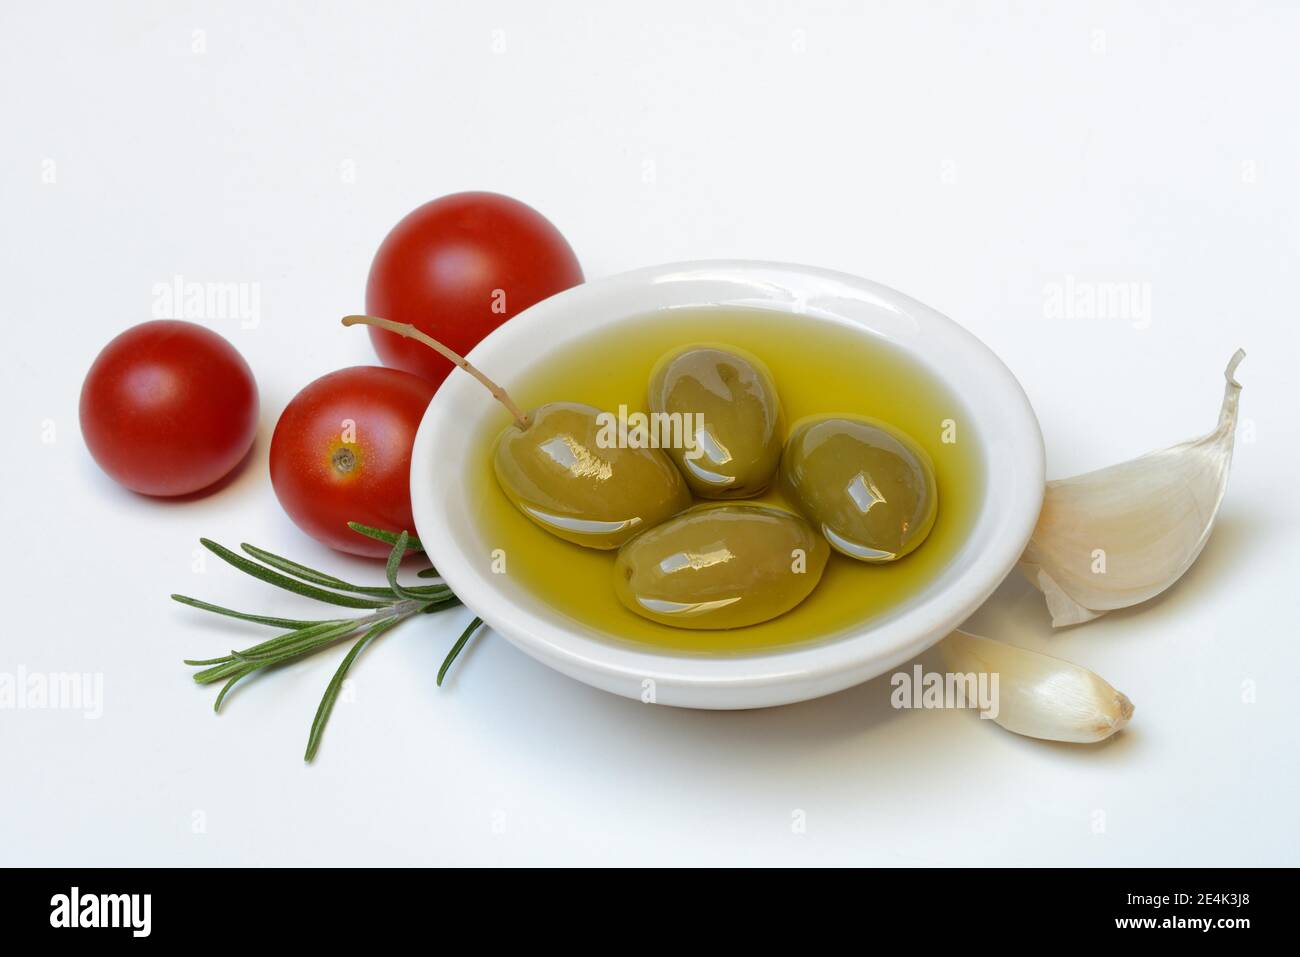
<point x="766" y="676"/>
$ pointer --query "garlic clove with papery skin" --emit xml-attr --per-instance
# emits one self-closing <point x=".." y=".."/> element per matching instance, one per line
<point x="1037" y="695"/>
<point x="1121" y="535"/>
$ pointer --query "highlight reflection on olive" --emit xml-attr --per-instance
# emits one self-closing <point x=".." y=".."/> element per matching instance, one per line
<point x="868" y="487"/>
<point x="737" y="442"/>
<point x="721" y="566"/>
<point x="556" y="472"/>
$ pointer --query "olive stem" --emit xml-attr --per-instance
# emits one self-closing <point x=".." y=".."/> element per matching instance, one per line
<point x="411" y="332"/>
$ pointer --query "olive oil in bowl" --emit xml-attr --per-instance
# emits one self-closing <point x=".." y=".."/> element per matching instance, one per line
<point x="819" y="368"/>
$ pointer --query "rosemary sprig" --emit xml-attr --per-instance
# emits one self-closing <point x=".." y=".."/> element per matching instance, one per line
<point x="386" y="607"/>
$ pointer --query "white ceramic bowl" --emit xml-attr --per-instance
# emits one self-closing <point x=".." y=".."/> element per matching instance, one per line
<point x="1009" y="433"/>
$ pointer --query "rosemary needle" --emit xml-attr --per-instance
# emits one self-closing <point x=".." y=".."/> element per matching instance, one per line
<point x="385" y="607"/>
<point x="461" y="642"/>
<point x="332" y="692"/>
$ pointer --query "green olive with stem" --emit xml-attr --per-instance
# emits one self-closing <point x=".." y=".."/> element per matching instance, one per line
<point x="868" y="487"/>
<point x="554" y="467"/>
<point x="728" y="408"/>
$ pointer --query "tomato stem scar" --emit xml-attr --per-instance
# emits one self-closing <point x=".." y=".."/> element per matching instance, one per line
<point x="344" y="460"/>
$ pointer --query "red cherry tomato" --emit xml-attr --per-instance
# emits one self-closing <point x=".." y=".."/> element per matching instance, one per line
<point x="457" y="268"/>
<point x="341" y="453"/>
<point x="169" y="408"/>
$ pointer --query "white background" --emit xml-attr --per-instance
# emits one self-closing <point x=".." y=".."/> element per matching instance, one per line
<point x="974" y="158"/>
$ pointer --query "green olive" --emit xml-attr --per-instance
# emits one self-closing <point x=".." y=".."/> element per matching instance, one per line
<point x="866" y="485"/>
<point x="737" y="443"/>
<point x="720" y="566"/>
<point x="558" y="474"/>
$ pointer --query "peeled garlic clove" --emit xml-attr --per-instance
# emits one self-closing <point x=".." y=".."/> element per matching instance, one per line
<point x="1037" y="695"/>
<point x="1121" y="535"/>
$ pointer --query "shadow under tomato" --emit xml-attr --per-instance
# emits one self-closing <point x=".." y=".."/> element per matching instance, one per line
<point x="229" y="479"/>
<point x="240" y="471"/>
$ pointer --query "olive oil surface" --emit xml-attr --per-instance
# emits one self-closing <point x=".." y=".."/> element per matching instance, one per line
<point x="819" y="369"/>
